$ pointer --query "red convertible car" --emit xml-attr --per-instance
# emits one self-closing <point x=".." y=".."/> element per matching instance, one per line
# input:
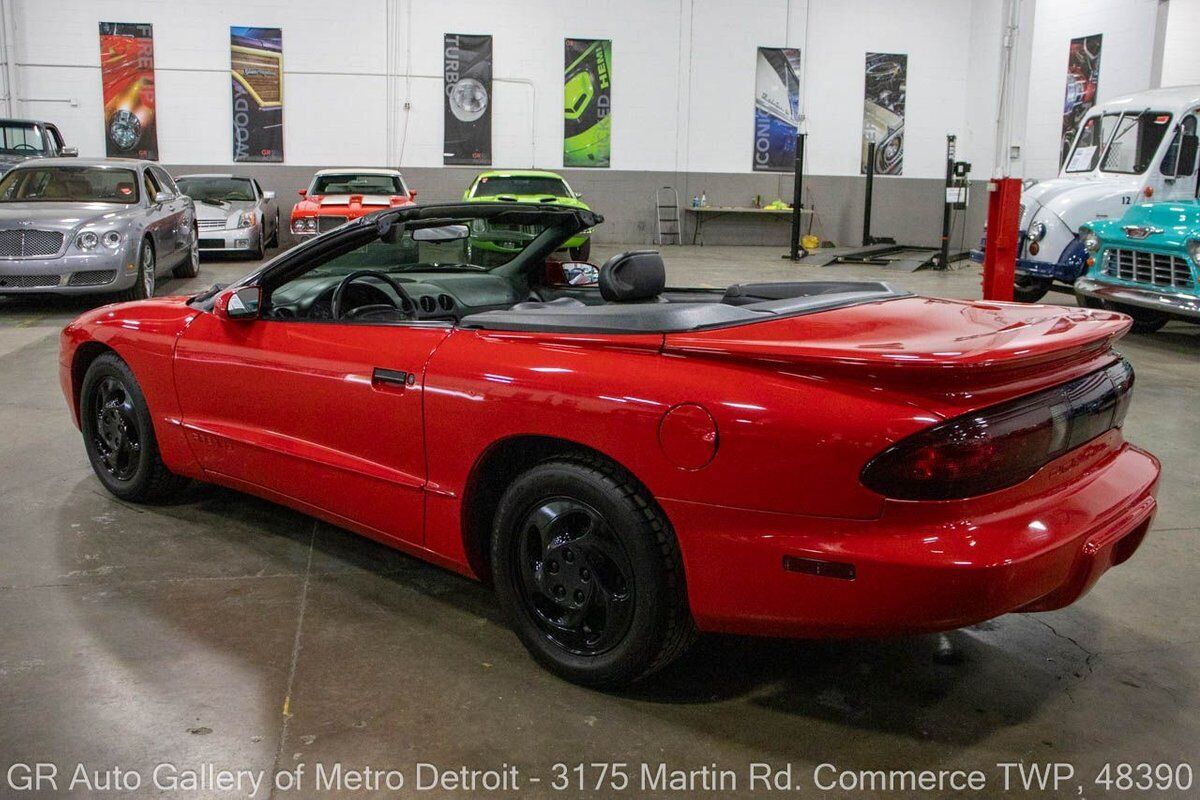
<point x="627" y="463"/>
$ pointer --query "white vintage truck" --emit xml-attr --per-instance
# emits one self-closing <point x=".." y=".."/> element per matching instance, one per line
<point x="1125" y="152"/>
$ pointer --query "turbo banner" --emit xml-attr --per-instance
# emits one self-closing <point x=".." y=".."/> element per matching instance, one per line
<point x="776" y="109"/>
<point x="1083" y="79"/>
<point x="127" y="75"/>
<point x="256" y="75"/>
<point x="883" y="111"/>
<point x="587" y="103"/>
<point x="467" y="84"/>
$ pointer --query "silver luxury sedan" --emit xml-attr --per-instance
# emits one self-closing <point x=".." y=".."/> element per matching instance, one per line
<point x="234" y="214"/>
<point x="86" y="226"/>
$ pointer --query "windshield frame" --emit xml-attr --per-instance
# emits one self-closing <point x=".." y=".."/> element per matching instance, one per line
<point x="16" y="172"/>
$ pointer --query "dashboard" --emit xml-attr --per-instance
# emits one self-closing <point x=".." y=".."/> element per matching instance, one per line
<point x="434" y="296"/>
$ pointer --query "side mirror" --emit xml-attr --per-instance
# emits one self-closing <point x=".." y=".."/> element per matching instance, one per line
<point x="163" y="197"/>
<point x="303" y="192"/>
<point x="570" y="273"/>
<point x="69" y="152"/>
<point x="1186" y="164"/>
<point x="412" y="194"/>
<point x="268" y="195"/>
<point x="239" y="303"/>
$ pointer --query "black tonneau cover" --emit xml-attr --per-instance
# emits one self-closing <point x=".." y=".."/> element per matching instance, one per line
<point x="743" y="303"/>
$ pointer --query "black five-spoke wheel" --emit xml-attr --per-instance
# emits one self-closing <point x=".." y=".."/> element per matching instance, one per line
<point x="588" y="570"/>
<point x="115" y="434"/>
<point x="575" y="577"/>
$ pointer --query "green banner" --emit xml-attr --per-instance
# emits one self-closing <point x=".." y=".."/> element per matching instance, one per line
<point x="587" y="103"/>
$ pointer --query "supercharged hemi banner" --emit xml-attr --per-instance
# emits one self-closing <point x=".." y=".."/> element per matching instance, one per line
<point x="256" y="70"/>
<point x="587" y="103"/>
<point x="883" y="111"/>
<point x="1083" y="80"/>
<point x="776" y="109"/>
<point x="127" y="75"/>
<point x="467" y="81"/>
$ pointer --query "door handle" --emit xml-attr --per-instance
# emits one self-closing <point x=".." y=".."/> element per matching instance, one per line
<point x="392" y="377"/>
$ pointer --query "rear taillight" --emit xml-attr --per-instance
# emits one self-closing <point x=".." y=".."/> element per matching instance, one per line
<point x="1002" y="445"/>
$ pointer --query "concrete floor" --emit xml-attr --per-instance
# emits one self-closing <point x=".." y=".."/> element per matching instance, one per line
<point x="227" y="630"/>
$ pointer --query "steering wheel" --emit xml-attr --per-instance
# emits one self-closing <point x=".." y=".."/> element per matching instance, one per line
<point x="25" y="147"/>
<point x="335" y="303"/>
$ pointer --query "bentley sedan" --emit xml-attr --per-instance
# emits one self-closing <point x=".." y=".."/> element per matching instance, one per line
<point x="627" y="463"/>
<point x="89" y="226"/>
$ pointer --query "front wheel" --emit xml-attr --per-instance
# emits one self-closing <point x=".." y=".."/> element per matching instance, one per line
<point x="1145" y="320"/>
<point x="1027" y="289"/>
<point x="190" y="268"/>
<point x="119" y="436"/>
<point x="143" y="286"/>
<point x="589" y="573"/>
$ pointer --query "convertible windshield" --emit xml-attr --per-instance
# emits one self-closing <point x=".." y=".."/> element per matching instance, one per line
<point x="217" y="190"/>
<point x="460" y="244"/>
<point x="47" y="184"/>
<point x="493" y="185"/>
<point x="21" y="139"/>
<point x="357" y="183"/>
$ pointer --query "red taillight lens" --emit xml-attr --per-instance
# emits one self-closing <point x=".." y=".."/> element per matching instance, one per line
<point x="1000" y="446"/>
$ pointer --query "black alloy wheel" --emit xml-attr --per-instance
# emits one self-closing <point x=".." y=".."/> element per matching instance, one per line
<point x="576" y="580"/>
<point x="116" y="437"/>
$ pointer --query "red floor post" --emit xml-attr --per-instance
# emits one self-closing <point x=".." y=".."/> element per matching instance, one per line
<point x="1000" y="251"/>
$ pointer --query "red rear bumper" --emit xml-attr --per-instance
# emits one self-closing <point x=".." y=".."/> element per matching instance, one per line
<point x="921" y="566"/>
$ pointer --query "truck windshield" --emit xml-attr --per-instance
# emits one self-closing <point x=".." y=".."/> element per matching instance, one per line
<point x="21" y="139"/>
<point x="1092" y="136"/>
<point x="1135" y="143"/>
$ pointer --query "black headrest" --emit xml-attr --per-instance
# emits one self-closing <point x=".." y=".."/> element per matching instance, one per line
<point x="637" y="275"/>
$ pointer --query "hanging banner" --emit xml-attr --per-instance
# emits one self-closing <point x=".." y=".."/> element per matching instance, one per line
<point x="776" y="109"/>
<point x="127" y="75"/>
<point x="1083" y="79"/>
<point x="883" y="111"/>
<point x="467" y="85"/>
<point x="256" y="75"/>
<point x="587" y="103"/>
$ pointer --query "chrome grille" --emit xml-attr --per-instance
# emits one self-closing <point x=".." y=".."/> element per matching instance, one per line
<point x="329" y="223"/>
<point x="1157" y="269"/>
<point x="210" y="224"/>
<point x="92" y="277"/>
<point x="28" y="281"/>
<point x="29" y="244"/>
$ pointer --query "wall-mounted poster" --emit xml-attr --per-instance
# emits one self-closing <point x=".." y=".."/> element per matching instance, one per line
<point x="1083" y="79"/>
<point x="467" y="81"/>
<point x="587" y="103"/>
<point x="776" y="109"/>
<point x="256" y="69"/>
<point x="883" y="111"/>
<point x="127" y="75"/>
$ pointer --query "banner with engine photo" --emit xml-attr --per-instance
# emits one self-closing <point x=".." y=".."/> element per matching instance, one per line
<point x="776" y="109"/>
<point x="467" y="85"/>
<point x="127" y="76"/>
<point x="1083" y="80"/>
<point x="256" y="76"/>
<point x="883" y="111"/>
<point x="587" y="103"/>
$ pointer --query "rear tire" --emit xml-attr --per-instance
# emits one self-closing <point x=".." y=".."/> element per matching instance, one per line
<point x="589" y="574"/>
<point x="118" y="434"/>
<point x="1027" y="289"/>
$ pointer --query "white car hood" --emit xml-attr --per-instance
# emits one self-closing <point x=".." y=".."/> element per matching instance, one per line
<point x="1076" y="201"/>
<point x="367" y="199"/>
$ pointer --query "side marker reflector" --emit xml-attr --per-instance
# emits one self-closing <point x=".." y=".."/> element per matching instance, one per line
<point x="822" y="569"/>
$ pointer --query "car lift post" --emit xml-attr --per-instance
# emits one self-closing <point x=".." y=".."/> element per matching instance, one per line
<point x="1000" y="249"/>
<point x="797" y="252"/>
<point x="944" y="256"/>
<point x="867" y="241"/>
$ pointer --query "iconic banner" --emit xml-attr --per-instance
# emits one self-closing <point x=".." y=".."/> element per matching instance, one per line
<point x="883" y="111"/>
<point x="256" y="70"/>
<point x="776" y="109"/>
<point x="587" y="103"/>
<point x="127" y="74"/>
<point x="467" y="81"/>
<point x="1083" y="78"/>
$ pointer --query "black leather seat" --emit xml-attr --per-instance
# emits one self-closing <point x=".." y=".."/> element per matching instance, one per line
<point x="635" y="277"/>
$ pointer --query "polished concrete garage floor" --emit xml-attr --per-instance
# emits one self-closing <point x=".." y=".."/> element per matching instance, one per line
<point x="227" y="630"/>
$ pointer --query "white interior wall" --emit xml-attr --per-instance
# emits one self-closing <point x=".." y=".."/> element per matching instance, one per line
<point x="683" y="74"/>
<point x="1126" y="61"/>
<point x="1181" y="48"/>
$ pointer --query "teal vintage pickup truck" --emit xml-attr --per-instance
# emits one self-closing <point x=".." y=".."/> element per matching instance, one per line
<point x="1146" y="264"/>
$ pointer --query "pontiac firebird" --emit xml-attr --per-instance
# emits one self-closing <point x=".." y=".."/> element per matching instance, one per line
<point x="630" y="464"/>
